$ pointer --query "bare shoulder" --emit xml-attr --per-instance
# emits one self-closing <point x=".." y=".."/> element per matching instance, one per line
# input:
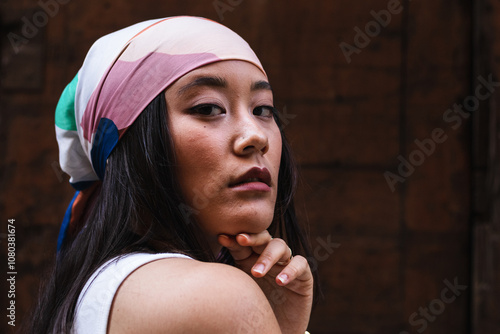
<point x="183" y="295"/>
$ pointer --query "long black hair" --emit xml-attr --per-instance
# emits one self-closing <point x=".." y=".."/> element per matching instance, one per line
<point x="139" y="208"/>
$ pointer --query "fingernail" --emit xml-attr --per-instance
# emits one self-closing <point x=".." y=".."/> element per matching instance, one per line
<point x="247" y="238"/>
<point x="283" y="278"/>
<point x="259" y="268"/>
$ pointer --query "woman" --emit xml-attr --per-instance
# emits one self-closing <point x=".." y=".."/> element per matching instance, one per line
<point x="170" y="134"/>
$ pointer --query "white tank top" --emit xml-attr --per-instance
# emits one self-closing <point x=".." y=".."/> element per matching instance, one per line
<point x="94" y="302"/>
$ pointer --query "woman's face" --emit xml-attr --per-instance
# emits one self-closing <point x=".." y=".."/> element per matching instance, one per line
<point x="227" y="146"/>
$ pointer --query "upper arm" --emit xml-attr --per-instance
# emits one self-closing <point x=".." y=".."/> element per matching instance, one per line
<point x="180" y="295"/>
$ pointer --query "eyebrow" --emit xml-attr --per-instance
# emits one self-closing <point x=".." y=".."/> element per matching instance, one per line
<point x="203" y="81"/>
<point x="261" y="85"/>
<point x="220" y="82"/>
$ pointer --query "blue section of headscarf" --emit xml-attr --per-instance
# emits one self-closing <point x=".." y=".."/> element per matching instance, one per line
<point x="105" y="140"/>
<point x="65" y="223"/>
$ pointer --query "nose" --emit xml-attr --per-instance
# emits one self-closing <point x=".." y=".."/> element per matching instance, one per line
<point x="250" y="137"/>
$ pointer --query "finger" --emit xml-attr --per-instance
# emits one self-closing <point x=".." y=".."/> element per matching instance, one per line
<point x="237" y="251"/>
<point x="275" y="251"/>
<point x="257" y="241"/>
<point x="287" y="261"/>
<point x="297" y="269"/>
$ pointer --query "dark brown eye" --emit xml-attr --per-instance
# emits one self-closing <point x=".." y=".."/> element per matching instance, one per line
<point x="264" y="111"/>
<point x="207" y="110"/>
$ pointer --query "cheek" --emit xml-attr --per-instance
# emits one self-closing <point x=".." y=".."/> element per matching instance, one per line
<point x="276" y="146"/>
<point x="199" y="151"/>
<point x="198" y="155"/>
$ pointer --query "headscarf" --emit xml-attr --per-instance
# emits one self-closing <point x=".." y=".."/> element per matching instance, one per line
<point x="122" y="73"/>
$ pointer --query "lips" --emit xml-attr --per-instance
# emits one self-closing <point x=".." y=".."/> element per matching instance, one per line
<point x="255" y="174"/>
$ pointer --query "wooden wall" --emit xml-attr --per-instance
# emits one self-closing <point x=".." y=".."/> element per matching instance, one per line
<point x="360" y="96"/>
<point x="486" y="173"/>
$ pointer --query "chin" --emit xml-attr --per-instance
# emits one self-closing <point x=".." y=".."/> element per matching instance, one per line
<point x="248" y="223"/>
<point x="253" y="226"/>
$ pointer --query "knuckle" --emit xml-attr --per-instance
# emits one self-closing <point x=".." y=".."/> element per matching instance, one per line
<point x="301" y="260"/>
<point x="292" y="270"/>
<point x="298" y="265"/>
<point x="266" y="256"/>
<point x="280" y="241"/>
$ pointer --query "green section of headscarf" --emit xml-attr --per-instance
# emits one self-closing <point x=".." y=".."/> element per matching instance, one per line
<point x="65" y="110"/>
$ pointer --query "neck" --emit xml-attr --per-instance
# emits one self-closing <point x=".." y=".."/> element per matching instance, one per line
<point x="214" y="245"/>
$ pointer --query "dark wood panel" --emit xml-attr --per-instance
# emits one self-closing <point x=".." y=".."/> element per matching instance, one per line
<point x="486" y="162"/>
<point x="435" y="220"/>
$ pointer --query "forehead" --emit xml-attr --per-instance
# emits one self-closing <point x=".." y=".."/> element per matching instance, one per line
<point x="229" y="70"/>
